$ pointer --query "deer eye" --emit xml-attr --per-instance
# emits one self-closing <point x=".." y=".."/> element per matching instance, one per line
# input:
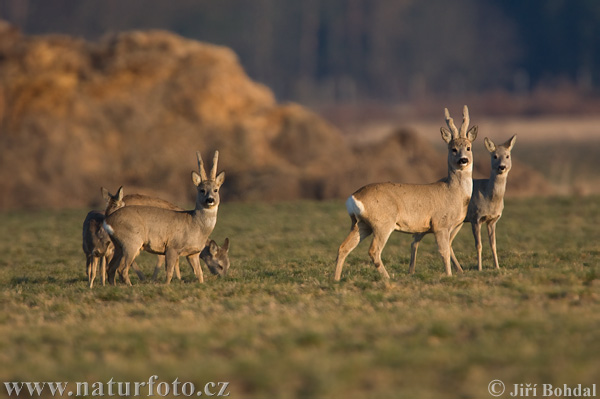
<point x="454" y="150"/>
<point x="508" y="156"/>
<point x="495" y="156"/>
<point x="468" y="148"/>
<point x="215" y="190"/>
<point x="202" y="191"/>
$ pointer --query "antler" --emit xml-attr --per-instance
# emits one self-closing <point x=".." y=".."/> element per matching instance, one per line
<point x="465" y="123"/>
<point x="201" y="166"/>
<point x="213" y="171"/>
<point x="450" y="123"/>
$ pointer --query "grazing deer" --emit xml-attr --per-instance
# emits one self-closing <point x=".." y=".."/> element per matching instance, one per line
<point x="117" y="201"/>
<point x="96" y="246"/>
<point x="215" y="257"/>
<point x="437" y="208"/>
<point x="487" y="201"/>
<point x="166" y="232"/>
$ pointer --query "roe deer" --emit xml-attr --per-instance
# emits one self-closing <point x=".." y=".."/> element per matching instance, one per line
<point x="487" y="201"/>
<point x="166" y="232"/>
<point x="117" y="201"/>
<point x="215" y="257"/>
<point x="437" y="208"/>
<point x="96" y="246"/>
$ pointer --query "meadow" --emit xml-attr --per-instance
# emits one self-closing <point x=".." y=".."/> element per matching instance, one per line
<point x="279" y="327"/>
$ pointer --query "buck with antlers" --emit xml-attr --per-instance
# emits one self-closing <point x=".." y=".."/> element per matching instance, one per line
<point x="487" y="201"/>
<point x="437" y="208"/>
<point x="167" y="232"/>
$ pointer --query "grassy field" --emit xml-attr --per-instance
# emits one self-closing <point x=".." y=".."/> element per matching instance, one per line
<point x="278" y="327"/>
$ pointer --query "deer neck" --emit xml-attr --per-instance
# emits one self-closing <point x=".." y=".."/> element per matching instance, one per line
<point x="497" y="186"/>
<point x="205" y="219"/>
<point x="461" y="179"/>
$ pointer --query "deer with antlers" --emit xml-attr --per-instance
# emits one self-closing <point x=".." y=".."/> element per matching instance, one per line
<point x="164" y="231"/>
<point x="437" y="208"/>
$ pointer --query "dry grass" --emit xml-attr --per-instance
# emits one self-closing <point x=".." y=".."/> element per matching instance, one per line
<point x="278" y="327"/>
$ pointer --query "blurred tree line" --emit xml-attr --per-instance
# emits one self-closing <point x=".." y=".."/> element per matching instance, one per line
<point x="343" y="50"/>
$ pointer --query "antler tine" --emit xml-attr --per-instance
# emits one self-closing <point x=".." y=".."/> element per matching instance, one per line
<point x="201" y="166"/>
<point x="465" y="123"/>
<point x="213" y="171"/>
<point x="450" y="123"/>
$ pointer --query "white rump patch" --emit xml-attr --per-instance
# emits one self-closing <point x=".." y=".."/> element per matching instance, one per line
<point x="108" y="228"/>
<point x="354" y="206"/>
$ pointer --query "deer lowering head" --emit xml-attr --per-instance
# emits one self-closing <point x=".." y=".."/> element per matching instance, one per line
<point x="216" y="258"/>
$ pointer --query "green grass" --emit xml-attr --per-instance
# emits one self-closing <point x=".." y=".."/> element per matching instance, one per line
<point x="278" y="327"/>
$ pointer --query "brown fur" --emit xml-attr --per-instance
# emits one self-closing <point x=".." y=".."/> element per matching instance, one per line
<point x="167" y="232"/>
<point x="437" y="208"/>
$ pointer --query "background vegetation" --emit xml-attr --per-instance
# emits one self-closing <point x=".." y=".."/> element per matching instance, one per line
<point x="277" y="326"/>
<point x="352" y="50"/>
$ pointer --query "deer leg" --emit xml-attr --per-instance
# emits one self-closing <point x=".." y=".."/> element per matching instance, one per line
<point x="442" y="237"/>
<point x="93" y="269"/>
<point x="138" y="271"/>
<point x="453" y="234"/>
<point x="171" y="260"/>
<point x="88" y="268"/>
<point x="491" y="227"/>
<point x="177" y="271"/>
<point x="380" y="238"/>
<point x="128" y="260"/>
<point x="476" y="227"/>
<point x="356" y="235"/>
<point x="194" y="261"/>
<point x="194" y="265"/>
<point x="413" y="251"/>
<point x="160" y="262"/>
<point x="115" y="264"/>
<point x="103" y="269"/>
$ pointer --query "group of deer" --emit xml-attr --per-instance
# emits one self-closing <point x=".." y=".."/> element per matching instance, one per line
<point x="135" y="222"/>
<point x="440" y="208"/>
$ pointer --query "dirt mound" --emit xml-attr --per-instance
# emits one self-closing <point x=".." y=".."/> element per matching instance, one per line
<point x="132" y="109"/>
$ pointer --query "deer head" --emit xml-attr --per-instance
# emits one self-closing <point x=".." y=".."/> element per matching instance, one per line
<point x="208" y="187"/>
<point x="501" y="159"/>
<point x="113" y="202"/>
<point x="216" y="258"/>
<point x="460" y="156"/>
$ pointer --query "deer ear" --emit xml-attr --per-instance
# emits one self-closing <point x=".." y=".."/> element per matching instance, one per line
<point x="472" y="133"/>
<point x="446" y="135"/>
<point x="226" y="245"/>
<point x="196" y="179"/>
<point x="213" y="248"/>
<point x="119" y="194"/>
<point x="105" y="194"/>
<point x="220" y="179"/>
<point x="489" y="145"/>
<point x="510" y="142"/>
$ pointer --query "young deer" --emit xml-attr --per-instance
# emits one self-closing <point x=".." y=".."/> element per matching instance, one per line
<point x="117" y="201"/>
<point x="437" y="208"/>
<point x="96" y="246"/>
<point x="215" y="257"/>
<point x="166" y="232"/>
<point x="487" y="201"/>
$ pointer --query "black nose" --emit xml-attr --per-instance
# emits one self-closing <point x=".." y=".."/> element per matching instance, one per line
<point x="502" y="168"/>
<point x="210" y="201"/>
<point x="463" y="161"/>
